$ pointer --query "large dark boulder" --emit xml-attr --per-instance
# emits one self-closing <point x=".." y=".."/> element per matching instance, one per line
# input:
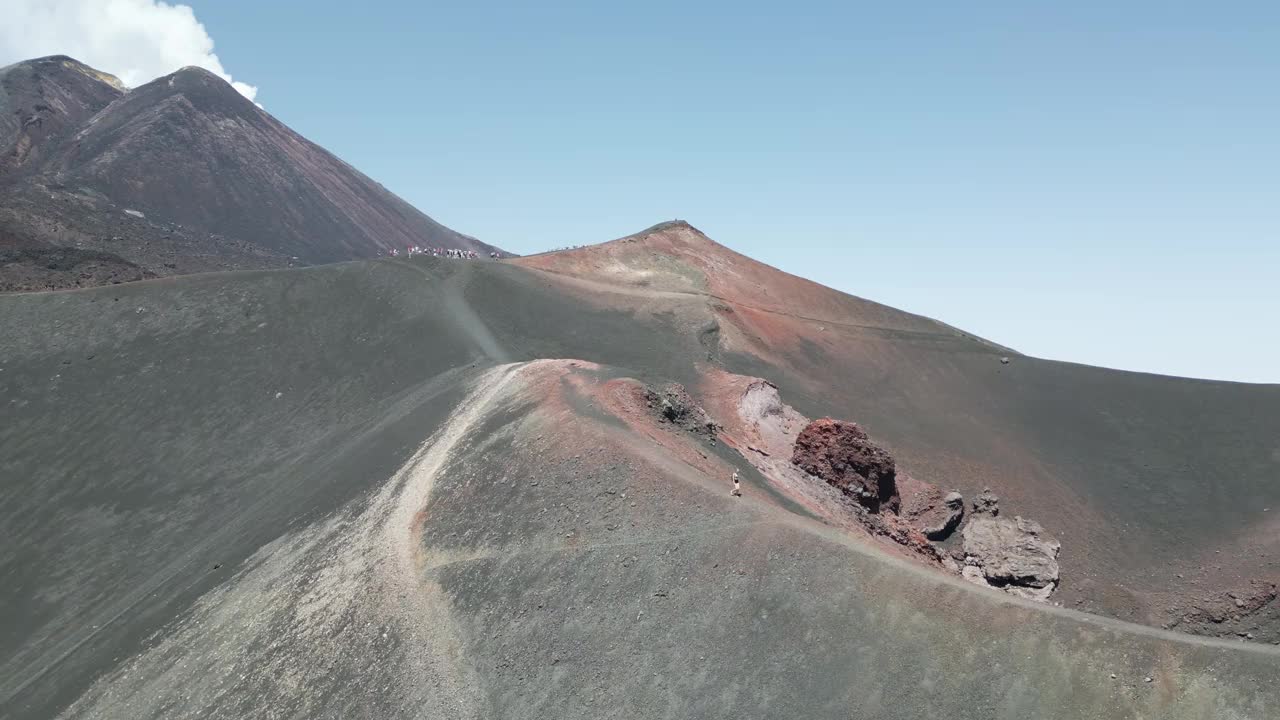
<point x="840" y="453"/>
<point x="673" y="404"/>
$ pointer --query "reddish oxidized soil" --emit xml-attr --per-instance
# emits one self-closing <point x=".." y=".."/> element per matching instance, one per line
<point x="1055" y="442"/>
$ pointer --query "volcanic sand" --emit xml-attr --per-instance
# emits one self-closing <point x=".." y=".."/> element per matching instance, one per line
<point x="207" y="481"/>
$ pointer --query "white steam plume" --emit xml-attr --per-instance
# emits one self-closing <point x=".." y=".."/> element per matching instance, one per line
<point x="135" y="40"/>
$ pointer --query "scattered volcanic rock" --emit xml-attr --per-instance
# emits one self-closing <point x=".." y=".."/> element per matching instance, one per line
<point x="897" y="529"/>
<point x="928" y="508"/>
<point x="1012" y="554"/>
<point x="29" y="269"/>
<point x="673" y="404"/>
<point x="1252" y="612"/>
<point x="840" y="453"/>
<point x="986" y="504"/>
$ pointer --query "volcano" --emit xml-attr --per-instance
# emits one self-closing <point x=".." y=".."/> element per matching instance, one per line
<point x="99" y="184"/>
<point x="444" y="488"/>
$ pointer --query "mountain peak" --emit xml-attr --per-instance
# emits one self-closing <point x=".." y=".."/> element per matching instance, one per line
<point x="189" y="154"/>
<point x="196" y="78"/>
<point x="195" y="72"/>
<point x="66" y="62"/>
<point x="44" y="98"/>
<point x="206" y="92"/>
<point x="668" y="226"/>
<point x="669" y="233"/>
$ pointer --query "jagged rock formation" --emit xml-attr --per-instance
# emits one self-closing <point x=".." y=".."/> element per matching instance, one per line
<point x="1012" y="554"/>
<point x="934" y="512"/>
<point x="1015" y="555"/>
<point x="673" y="404"/>
<point x="844" y="456"/>
<point x="773" y="423"/>
<point x="986" y="503"/>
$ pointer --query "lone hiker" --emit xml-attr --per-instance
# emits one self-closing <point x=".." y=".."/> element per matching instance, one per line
<point x="737" y="488"/>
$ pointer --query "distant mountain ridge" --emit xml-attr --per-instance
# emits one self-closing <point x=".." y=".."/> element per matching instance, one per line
<point x="40" y="100"/>
<point x="180" y="175"/>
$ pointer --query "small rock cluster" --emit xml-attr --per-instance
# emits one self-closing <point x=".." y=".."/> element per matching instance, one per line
<point x="1012" y="554"/>
<point x="986" y="504"/>
<point x="1250" y="612"/>
<point x="673" y="404"/>
<point x="927" y="508"/>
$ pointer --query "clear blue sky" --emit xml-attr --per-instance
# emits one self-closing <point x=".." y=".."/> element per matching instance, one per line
<point x="1096" y="182"/>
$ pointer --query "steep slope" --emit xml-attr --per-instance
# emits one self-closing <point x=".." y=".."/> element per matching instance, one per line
<point x="1162" y="490"/>
<point x="675" y="257"/>
<point x="43" y="100"/>
<point x="430" y="488"/>
<point x="189" y="148"/>
<point x="178" y="176"/>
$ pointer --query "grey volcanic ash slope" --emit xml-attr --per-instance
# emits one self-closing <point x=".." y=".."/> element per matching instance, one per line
<point x="42" y="100"/>
<point x="432" y="488"/>
<point x="189" y="148"/>
<point x="209" y="180"/>
<point x="1161" y="490"/>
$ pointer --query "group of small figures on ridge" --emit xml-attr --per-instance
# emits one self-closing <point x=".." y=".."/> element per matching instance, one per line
<point x="442" y="252"/>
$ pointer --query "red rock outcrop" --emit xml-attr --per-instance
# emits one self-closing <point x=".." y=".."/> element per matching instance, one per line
<point x="843" y="455"/>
